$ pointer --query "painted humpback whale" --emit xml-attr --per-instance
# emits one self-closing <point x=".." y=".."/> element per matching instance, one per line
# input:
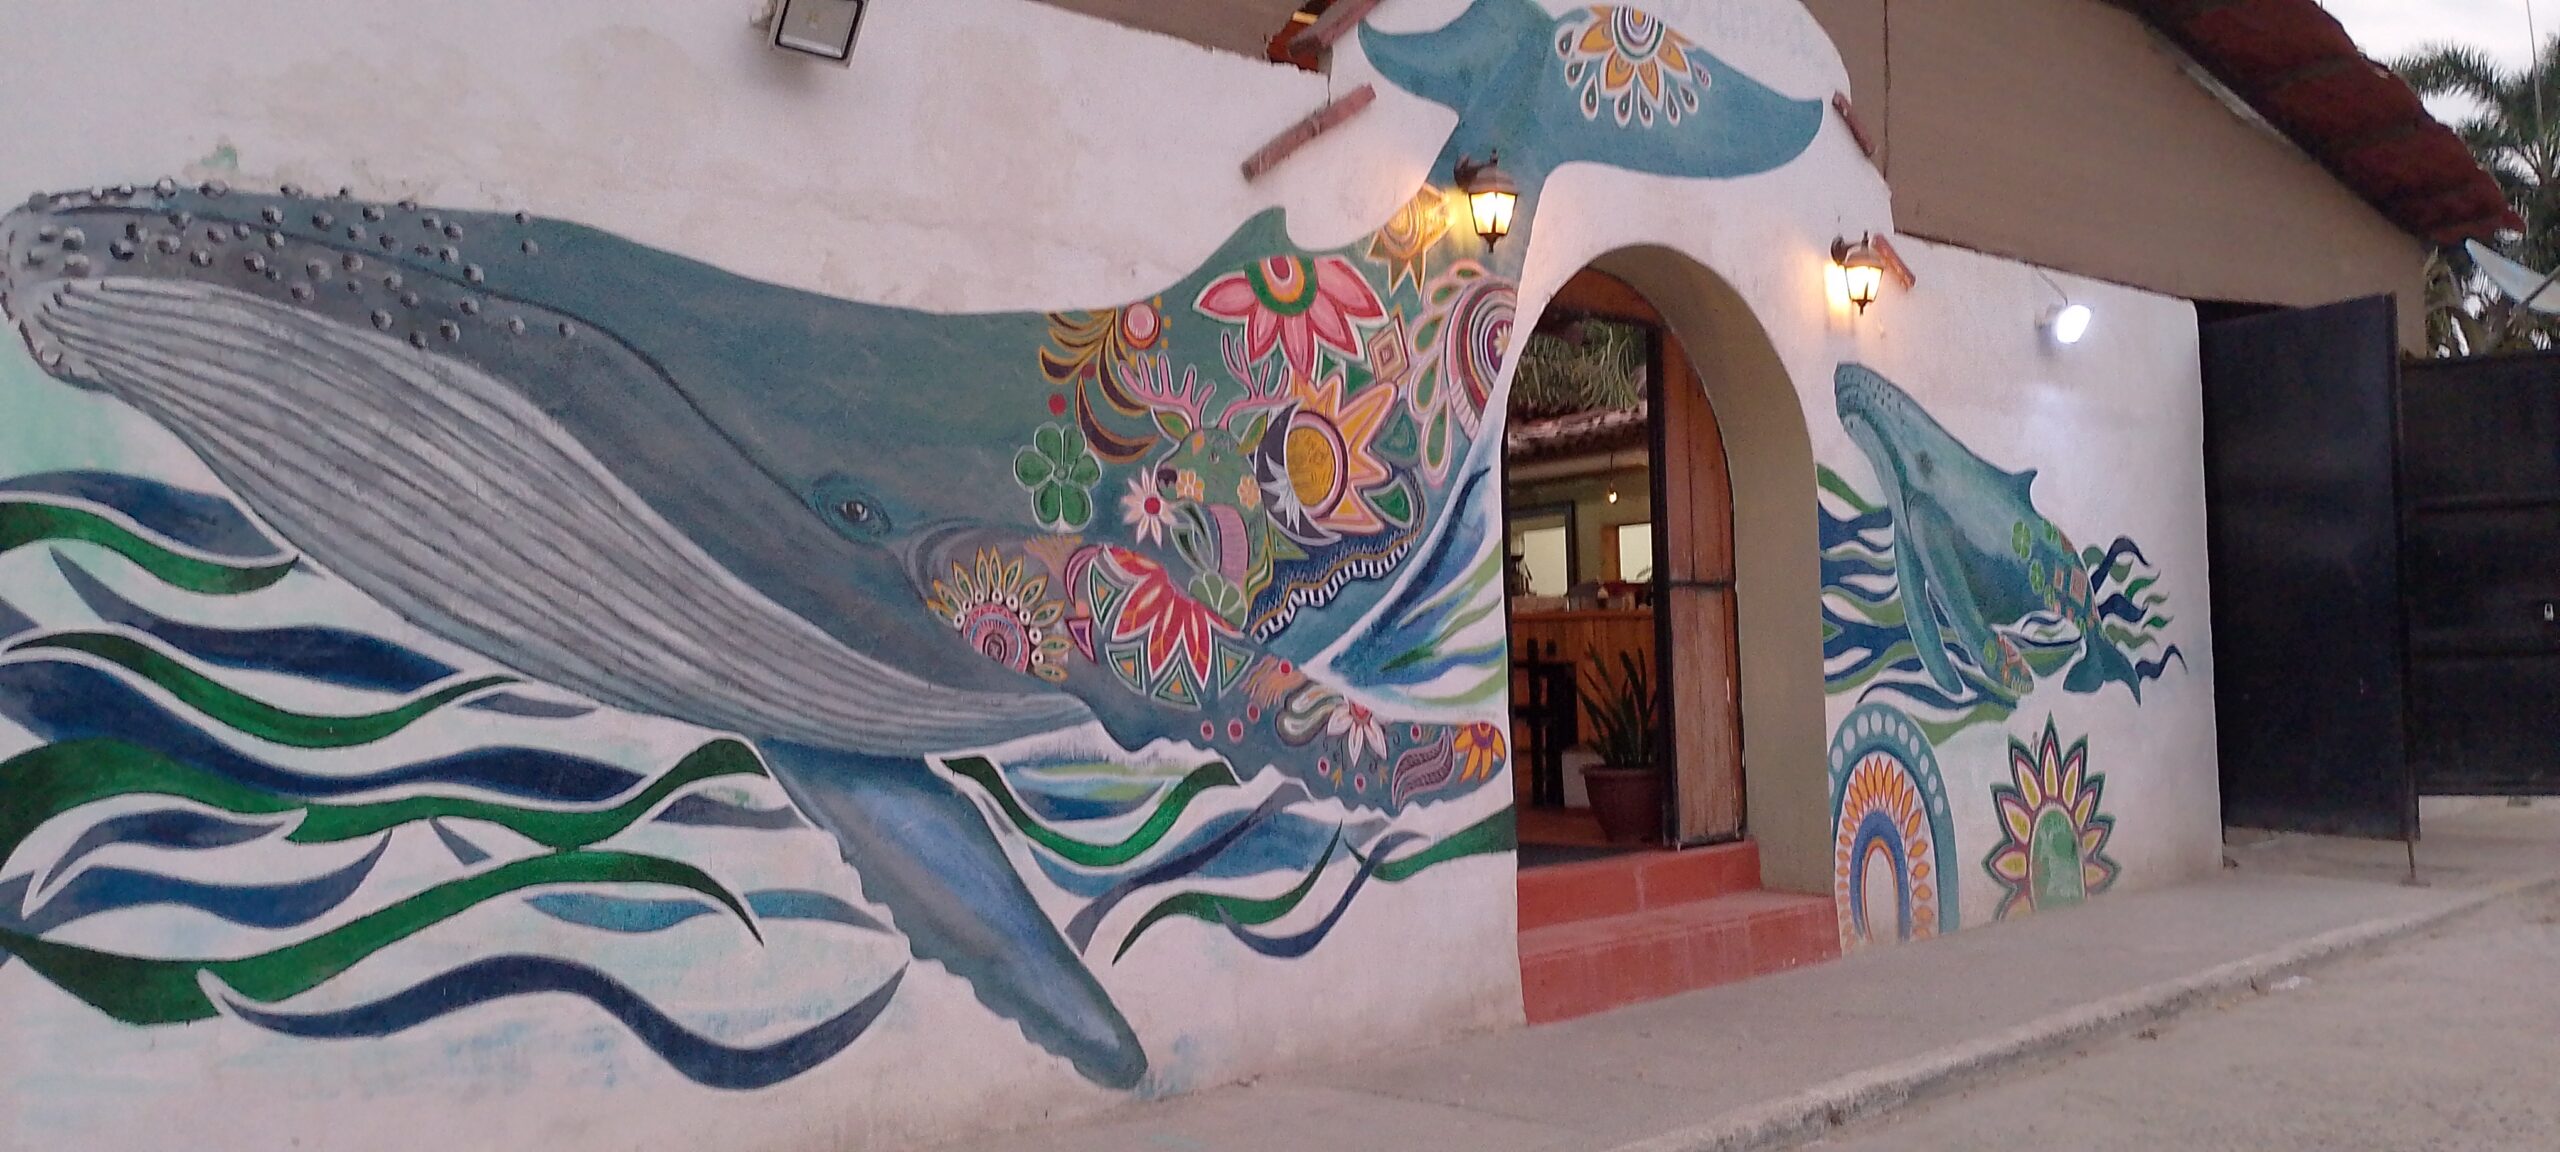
<point x="867" y="537"/>
<point x="1970" y="550"/>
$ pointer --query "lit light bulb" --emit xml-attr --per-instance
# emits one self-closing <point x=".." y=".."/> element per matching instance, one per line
<point x="2069" y="323"/>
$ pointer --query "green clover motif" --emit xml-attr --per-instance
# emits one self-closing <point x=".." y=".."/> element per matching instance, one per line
<point x="1060" y="473"/>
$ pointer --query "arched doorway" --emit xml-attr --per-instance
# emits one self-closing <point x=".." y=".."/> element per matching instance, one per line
<point x="1732" y="609"/>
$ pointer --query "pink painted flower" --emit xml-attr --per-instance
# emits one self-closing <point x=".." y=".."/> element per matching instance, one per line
<point x="1296" y="305"/>
<point x="1359" y="729"/>
<point x="1144" y="508"/>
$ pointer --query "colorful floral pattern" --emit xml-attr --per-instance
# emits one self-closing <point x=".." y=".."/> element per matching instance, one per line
<point x="1060" y="474"/>
<point x="1296" y="304"/>
<point x="2053" y="851"/>
<point x="1152" y="634"/>
<point x="1627" y="61"/>
<point x="1085" y="357"/>
<point x="1405" y="244"/>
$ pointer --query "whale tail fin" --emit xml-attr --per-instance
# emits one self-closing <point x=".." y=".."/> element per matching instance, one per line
<point x="2100" y="664"/>
<point x="926" y="853"/>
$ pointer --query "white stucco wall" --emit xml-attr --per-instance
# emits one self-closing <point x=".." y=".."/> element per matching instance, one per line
<point x="998" y="155"/>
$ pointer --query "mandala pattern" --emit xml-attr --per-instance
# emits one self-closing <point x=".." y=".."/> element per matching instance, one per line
<point x="1630" y="63"/>
<point x="1891" y="826"/>
<point x="1005" y="614"/>
<point x="2054" y="848"/>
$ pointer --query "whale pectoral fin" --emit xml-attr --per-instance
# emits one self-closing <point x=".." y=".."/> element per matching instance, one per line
<point x="926" y="853"/>
<point x="1912" y="565"/>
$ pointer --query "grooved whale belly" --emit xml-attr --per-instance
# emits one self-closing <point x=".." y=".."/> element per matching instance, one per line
<point x="456" y="502"/>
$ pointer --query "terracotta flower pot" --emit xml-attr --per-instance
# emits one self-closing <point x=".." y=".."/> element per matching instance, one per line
<point x="1628" y="802"/>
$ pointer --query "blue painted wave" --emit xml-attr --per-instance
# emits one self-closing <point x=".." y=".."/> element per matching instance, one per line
<point x="1066" y="800"/>
<point x="1408" y="645"/>
<point x="463" y="850"/>
<point x="311" y="652"/>
<point x="1194" y="856"/>
<point x="637" y="916"/>
<point x="199" y="520"/>
<point x="1299" y="944"/>
<point x="14" y="622"/>
<point x="176" y="828"/>
<point x="101" y="890"/>
<point x="60" y="701"/>
<point x="702" y="811"/>
<point x="698" y="1058"/>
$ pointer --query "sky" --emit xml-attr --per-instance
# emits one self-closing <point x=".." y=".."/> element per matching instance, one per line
<point x="2386" y="29"/>
<point x="2389" y="29"/>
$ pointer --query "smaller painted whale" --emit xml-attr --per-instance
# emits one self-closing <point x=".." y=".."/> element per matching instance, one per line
<point x="1972" y="553"/>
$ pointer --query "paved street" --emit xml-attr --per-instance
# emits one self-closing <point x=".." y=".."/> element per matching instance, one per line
<point x="2447" y="1040"/>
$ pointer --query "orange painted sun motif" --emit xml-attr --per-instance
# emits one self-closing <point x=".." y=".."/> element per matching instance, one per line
<point x="1892" y="831"/>
<point x="1329" y="447"/>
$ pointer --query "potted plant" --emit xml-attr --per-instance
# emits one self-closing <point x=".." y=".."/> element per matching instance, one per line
<point x="1626" y="715"/>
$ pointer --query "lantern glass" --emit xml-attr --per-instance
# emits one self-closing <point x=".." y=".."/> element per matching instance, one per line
<point x="1865" y="283"/>
<point x="1492" y="210"/>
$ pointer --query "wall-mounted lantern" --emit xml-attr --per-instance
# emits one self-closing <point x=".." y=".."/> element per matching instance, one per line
<point x="1491" y="196"/>
<point x="1860" y="268"/>
<point x="821" y="28"/>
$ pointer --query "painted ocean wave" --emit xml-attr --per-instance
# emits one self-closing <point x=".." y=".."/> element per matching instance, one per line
<point x="137" y="704"/>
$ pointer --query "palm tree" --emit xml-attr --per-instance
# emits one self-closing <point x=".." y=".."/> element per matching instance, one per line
<point x="2512" y="133"/>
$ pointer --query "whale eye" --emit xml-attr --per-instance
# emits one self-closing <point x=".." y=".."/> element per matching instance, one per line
<point x="849" y="508"/>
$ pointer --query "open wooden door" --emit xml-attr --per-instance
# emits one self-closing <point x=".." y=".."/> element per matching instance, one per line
<point x="1693" y="582"/>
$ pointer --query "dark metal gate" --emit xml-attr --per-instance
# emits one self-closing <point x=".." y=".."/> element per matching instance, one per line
<point x="2480" y="468"/>
<point x="2303" y="526"/>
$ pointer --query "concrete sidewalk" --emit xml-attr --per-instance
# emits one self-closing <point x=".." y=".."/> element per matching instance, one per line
<point x="1784" y="1058"/>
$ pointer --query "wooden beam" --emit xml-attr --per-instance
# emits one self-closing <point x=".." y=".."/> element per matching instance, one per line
<point x="1317" y="123"/>
<point x="1893" y="262"/>
<point x="1857" y="131"/>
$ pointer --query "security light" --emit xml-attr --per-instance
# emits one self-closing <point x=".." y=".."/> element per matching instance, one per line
<point x="2068" y="323"/>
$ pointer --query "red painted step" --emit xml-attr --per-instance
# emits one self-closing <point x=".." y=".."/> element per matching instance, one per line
<point x="1585" y="966"/>
<point x="1601" y="934"/>
<point x="1634" y="882"/>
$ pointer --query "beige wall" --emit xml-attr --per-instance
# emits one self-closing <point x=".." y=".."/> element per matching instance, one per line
<point x="2065" y="133"/>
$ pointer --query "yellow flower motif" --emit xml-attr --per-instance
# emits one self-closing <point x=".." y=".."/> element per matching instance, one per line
<point x="1186" y="484"/>
<point x="1248" y="493"/>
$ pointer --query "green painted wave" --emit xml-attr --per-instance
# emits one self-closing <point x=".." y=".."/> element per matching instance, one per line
<point x="27" y="522"/>
<point x="144" y="990"/>
<point x="244" y="713"/>
<point x="45" y="782"/>
<point x="1496" y="833"/>
<point x="1084" y="853"/>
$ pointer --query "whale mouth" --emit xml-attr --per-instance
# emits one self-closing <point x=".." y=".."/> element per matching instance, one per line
<point x="453" y="500"/>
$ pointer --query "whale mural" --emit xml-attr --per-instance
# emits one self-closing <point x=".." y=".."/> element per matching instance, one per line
<point x="968" y="590"/>
<point x="1947" y="599"/>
